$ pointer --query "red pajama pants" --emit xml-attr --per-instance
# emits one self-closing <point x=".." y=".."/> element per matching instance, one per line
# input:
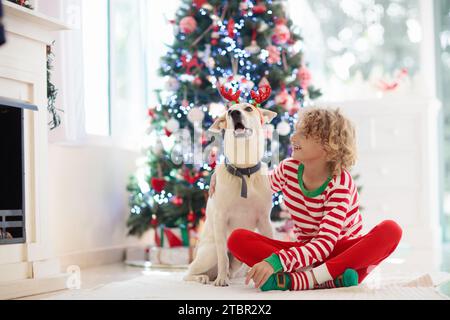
<point x="362" y="254"/>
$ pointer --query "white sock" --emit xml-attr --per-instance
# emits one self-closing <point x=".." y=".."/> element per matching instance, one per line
<point x="322" y="274"/>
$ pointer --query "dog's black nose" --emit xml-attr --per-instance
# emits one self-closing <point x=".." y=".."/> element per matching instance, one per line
<point x="235" y="114"/>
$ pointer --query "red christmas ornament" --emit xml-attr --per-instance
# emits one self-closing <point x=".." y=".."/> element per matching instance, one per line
<point x="281" y="33"/>
<point x="203" y="211"/>
<point x="198" y="81"/>
<point x="230" y="28"/>
<point x="177" y="201"/>
<point x="274" y="55"/>
<point x="198" y="3"/>
<point x="154" y="221"/>
<point x="305" y="77"/>
<point x="191" y="216"/>
<point x="188" y="25"/>
<point x="259" y="8"/>
<point x="158" y="184"/>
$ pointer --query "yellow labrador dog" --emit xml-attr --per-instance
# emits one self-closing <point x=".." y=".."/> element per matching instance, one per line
<point x="242" y="197"/>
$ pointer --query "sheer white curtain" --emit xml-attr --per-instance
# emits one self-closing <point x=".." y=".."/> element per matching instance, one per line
<point x="139" y="34"/>
<point x="68" y="69"/>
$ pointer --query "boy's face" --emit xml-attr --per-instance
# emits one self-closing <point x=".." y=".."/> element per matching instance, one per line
<point x="306" y="149"/>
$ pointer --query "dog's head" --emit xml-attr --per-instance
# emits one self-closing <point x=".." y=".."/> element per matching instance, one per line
<point x="244" y="137"/>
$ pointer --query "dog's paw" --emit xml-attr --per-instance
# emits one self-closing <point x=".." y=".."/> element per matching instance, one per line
<point x="203" y="279"/>
<point x="222" y="282"/>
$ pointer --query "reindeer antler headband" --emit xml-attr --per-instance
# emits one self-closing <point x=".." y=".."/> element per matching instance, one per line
<point x="260" y="96"/>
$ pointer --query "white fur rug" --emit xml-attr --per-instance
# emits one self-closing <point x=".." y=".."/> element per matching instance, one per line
<point x="168" y="285"/>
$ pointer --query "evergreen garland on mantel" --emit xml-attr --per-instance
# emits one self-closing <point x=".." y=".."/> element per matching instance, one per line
<point x="52" y="91"/>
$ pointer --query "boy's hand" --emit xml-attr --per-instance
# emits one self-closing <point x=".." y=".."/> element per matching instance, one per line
<point x="212" y="186"/>
<point x="259" y="273"/>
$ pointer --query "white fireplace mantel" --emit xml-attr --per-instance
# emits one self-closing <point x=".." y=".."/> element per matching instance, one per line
<point x="30" y="268"/>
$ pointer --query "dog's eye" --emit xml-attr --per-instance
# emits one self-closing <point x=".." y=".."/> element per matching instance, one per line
<point x="249" y="109"/>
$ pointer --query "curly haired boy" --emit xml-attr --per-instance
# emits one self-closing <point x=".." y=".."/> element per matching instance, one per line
<point x="322" y="199"/>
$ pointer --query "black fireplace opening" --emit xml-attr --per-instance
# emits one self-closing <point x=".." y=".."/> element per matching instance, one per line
<point x="12" y="177"/>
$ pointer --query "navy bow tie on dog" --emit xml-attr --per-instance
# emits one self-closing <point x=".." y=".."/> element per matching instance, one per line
<point x="241" y="172"/>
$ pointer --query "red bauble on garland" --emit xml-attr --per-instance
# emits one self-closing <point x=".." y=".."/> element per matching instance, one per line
<point x="158" y="184"/>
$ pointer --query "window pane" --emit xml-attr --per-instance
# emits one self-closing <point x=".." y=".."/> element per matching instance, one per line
<point x="443" y="28"/>
<point x="354" y="42"/>
<point x="96" y="66"/>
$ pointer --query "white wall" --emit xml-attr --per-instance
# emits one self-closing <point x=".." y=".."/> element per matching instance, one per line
<point x="88" y="203"/>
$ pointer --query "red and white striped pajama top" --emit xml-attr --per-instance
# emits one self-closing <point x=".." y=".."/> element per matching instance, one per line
<point x="321" y="218"/>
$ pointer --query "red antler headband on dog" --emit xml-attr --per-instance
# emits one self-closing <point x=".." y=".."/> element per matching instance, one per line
<point x="260" y="96"/>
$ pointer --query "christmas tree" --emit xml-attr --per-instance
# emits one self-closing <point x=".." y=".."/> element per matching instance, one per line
<point x="237" y="44"/>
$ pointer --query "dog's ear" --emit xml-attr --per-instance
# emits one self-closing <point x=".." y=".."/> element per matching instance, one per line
<point x="219" y="125"/>
<point x="268" y="115"/>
